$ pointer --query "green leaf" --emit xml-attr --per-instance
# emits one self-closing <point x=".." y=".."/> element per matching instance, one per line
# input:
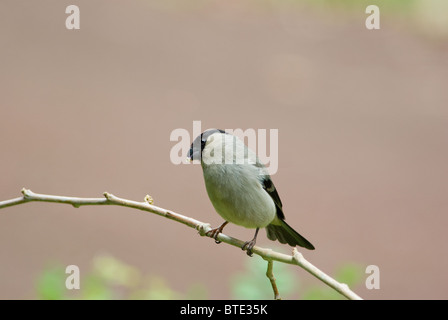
<point x="51" y="284"/>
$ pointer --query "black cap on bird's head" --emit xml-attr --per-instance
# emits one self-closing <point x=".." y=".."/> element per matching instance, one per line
<point x="195" y="152"/>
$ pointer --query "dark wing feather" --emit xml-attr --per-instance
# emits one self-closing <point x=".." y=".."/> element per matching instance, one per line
<point x="269" y="187"/>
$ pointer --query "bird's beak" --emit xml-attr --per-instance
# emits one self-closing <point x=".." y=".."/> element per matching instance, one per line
<point x="190" y="155"/>
<point x="193" y="154"/>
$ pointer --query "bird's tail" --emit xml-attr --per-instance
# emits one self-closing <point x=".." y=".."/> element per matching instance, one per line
<point x="285" y="234"/>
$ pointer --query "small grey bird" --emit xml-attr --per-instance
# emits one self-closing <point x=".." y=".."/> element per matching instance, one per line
<point x="241" y="189"/>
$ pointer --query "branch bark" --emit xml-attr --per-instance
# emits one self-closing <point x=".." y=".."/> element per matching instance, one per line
<point x="267" y="254"/>
<point x="270" y="275"/>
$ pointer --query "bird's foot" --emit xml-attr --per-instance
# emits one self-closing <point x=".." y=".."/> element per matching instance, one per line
<point x="215" y="232"/>
<point x="248" y="246"/>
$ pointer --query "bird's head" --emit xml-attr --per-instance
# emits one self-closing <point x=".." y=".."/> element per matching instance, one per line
<point x="196" y="148"/>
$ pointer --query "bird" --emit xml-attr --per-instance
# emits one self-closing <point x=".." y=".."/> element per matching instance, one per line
<point x="241" y="189"/>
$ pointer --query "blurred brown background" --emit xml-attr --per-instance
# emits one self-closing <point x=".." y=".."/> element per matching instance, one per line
<point x="362" y="118"/>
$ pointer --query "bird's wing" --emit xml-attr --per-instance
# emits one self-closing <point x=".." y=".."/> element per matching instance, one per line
<point x="269" y="187"/>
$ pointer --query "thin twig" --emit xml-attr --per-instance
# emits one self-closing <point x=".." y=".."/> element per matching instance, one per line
<point x="342" y="288"/>
<point x="267" y="254"/>
<point x="270" y="275"/>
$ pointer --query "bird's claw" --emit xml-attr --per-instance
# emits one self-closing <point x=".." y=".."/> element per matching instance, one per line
<point x="248" y="246"/>
<point x="214" y="234"/>
<point x="216" y="231"/>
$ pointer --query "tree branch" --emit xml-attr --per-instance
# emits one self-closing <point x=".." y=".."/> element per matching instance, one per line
<point x="270" y="275"/>
<point x="267" y="254"/>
